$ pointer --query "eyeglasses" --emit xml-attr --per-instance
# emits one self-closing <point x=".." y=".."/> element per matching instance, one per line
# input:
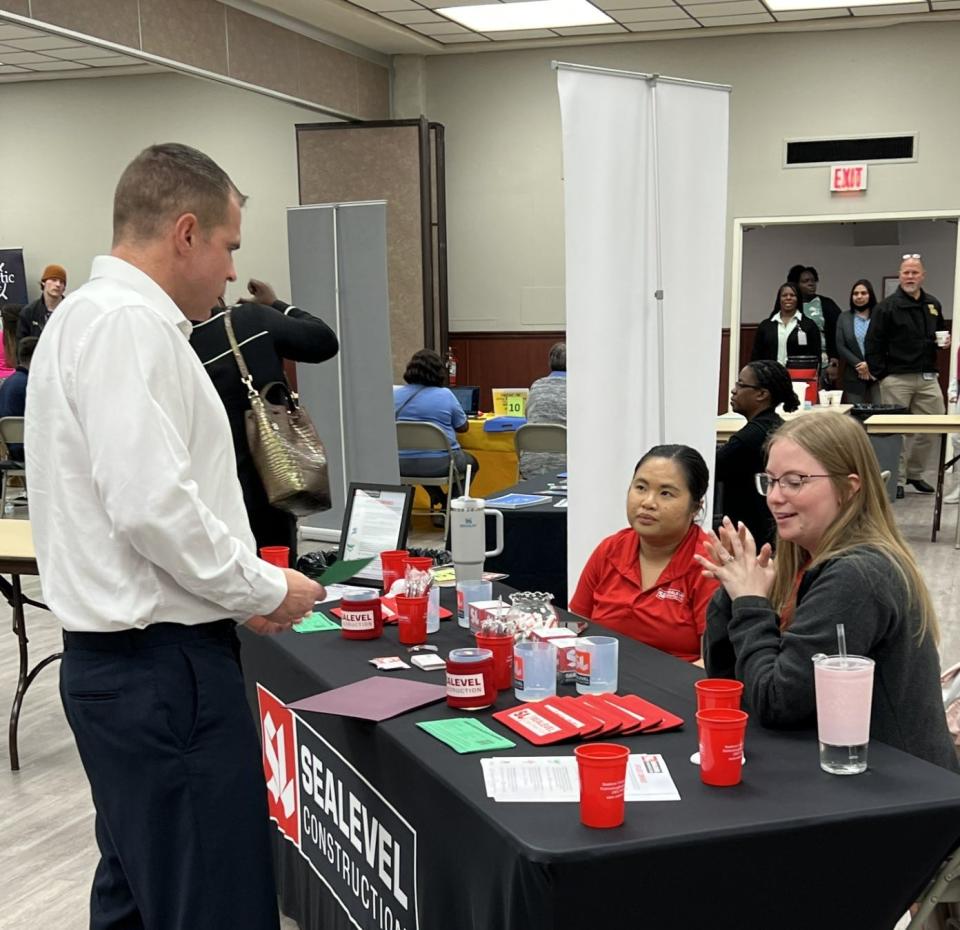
<point x="739" y="385"/>
<point x="911" y="255"/>
<point x="791" y="483"/>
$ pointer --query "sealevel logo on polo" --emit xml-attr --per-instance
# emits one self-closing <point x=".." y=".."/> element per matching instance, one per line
<point x="356" y="842"/>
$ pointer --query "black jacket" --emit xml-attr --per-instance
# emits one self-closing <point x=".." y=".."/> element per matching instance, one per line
<point x="902" y="336"/>
<point x="738" y="461"/>
<point x="33" y="318"/>
<point x="267" y="335"/>
<point x="765" y="343"/>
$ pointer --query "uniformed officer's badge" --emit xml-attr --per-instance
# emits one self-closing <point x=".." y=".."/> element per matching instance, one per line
<point x="932" y="309"/>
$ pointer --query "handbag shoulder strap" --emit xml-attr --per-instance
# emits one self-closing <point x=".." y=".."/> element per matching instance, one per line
<point x="407" y="401"/>
<point x="245" y="376"/>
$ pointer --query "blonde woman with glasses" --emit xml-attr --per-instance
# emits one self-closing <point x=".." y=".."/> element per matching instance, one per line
<point x="840" y="559"/>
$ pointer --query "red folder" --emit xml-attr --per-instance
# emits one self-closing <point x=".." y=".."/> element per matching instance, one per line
<point x="537" y="724"/>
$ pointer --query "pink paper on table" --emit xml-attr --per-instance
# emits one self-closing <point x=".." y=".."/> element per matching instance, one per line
<point x="375" y="698"/>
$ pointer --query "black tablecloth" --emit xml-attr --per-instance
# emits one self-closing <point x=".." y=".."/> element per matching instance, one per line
<point x="791" y="847"/>
<point x="534" y="543"/>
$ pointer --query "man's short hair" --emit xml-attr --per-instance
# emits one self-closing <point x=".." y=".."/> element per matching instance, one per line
<point x="558" y="356"/>
<point x="25" y="349"/>
<point x="165" y="181"/>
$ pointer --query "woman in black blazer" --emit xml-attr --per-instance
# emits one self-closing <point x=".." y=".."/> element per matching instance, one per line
<point x="859" y="386"/>
<point x="268" y="331"/>
<point x="804" y="335"/>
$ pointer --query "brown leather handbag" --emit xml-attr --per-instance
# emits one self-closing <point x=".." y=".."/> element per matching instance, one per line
<point x="288" y="453"/>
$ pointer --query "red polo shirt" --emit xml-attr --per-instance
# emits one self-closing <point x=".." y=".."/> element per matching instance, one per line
<point x="669" y="616"/>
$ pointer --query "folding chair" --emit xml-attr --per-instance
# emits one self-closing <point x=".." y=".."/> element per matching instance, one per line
<point x="11" y="431"/>
<point x="938" y="908"/>
<point x="419" y="436"/>
<point x="540" y="437"/>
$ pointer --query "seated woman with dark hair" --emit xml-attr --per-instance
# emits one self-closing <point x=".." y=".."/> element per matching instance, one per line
<point x="643" y="582"/>
<point x="425" y="398"/>
<point x="760" y="389"/>
<point x="840" y="558"/>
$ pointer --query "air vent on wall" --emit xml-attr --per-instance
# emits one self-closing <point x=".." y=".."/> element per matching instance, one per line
<point x="863" y="149"/>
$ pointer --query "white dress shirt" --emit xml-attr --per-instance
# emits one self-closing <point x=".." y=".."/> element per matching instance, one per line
<point x="136" y="508"/>
<point x="783" y="331"/>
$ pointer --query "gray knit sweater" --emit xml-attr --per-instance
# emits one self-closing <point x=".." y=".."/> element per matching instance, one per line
<point x="862" y="590"/>
<point x="547" y="403"/>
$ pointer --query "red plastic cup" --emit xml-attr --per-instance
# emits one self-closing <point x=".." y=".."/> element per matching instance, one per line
<point x="721" y="745"/>
<point x="603" y="774"/>
<point x="412" y="619"/>
<point x="502" y="649"/>
<point x="276" y="555"/>
<point x="718" y="692"/>
<point x="392" y="563"/>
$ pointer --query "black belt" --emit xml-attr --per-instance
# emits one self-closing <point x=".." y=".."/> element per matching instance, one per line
<point x="157" y="634"/>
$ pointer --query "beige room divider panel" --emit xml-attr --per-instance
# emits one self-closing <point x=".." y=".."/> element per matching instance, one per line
<point x="401" y="162"/>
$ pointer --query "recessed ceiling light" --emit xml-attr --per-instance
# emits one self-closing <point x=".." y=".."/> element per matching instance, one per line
<point x="777" y="6"/>
<point x="536" y="14"/>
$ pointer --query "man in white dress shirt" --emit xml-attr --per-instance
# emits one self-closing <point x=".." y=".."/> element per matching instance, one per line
<point x="147" y="559"/>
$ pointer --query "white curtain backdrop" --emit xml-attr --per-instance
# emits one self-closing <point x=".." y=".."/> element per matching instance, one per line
<point x="635" y="150"/>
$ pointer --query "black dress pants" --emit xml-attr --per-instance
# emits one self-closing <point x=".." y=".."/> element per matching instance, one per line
<point x="170" y="749"/>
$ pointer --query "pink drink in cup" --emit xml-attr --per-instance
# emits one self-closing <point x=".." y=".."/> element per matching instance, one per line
<point x="844" y="686"/>
<point x="603" y="776"/>
<point x="721" y="745"/>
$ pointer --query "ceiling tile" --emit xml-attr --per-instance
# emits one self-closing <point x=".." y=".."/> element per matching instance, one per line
<point x="791" y="15"/>
<point x="736" y="8"/>
<point x="39" y="43"/>
<point x="384" y="6"/>
<point x="652" y="14"/>
<point x="616" y="5"/>
<point x="439" y="4"/>
<point x="521" y="34"/>
<point x="17" y="32"/>
<point x="405" y="17"/>
<point x="11" y="69"/>
<point x="82" y="54"/>
<point x="56" y="66"/>
<point x="453" y="40"/>
<point x="946" y="4"/>
<point x="115" y="62"/>
<point x="588" y="30"/>
<point x="736" y="20"/>
<point x="23" y="58"/>
<point x="889" y="9"/>
<point x="664" y="25"/>
<point x="444" y="27"/>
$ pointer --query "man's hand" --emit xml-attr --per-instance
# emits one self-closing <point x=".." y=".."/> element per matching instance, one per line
<point x="302" y="593"/>
<point x="261" y="293"/>
<point x="263" y="627"/>
<point x="863" y="372"/>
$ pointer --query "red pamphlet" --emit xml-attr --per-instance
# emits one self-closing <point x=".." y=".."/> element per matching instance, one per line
<point x="537" y="724"/>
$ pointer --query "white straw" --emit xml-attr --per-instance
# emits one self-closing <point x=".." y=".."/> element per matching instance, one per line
<point x="466" y="489"/>
<point x="841" y="640"/>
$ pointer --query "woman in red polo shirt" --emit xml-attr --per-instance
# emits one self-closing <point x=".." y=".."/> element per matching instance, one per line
<point x="643" y="582"/>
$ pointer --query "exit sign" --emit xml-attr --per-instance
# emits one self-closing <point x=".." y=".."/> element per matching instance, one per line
<point x="848" y="178"/>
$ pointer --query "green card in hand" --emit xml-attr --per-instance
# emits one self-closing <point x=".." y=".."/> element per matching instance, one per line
<point x="343" y="570"/>
<point x="316" y="623"/>
<point x="466" y="735"/>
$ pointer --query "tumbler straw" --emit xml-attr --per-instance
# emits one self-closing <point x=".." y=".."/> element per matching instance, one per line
<point x="466" y="487"/>
<point x="841" y="641"/>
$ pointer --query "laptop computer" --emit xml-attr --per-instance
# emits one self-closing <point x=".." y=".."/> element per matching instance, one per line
<point x="469" y="398"/>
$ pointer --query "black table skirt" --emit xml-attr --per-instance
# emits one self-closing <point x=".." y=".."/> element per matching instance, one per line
<point x="791" y="847"/>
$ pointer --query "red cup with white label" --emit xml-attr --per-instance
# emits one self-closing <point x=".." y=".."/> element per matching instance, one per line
<point x="502" y="649"/>
<point x="603" y="776"/>
<point x="718" y="692"/>
<point x="360" y="614"/>
<point x="391" y="562"/>
<point x="470" y="679"/>
<point x="276" y="555"/>
<point x="411" y="619"/>
<point x="722" y="731"/>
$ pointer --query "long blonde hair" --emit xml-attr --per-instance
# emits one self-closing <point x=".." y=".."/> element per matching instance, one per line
<point x="841" y="446"/>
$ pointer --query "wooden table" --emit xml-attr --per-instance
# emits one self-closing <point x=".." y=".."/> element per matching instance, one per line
<point x="17" y="558"/>
<point x="935" y="424"/>
<point x="728" y="425"/>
